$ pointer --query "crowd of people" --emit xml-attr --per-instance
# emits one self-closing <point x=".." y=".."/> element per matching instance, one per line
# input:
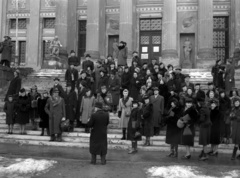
<point x="145" y="96"/>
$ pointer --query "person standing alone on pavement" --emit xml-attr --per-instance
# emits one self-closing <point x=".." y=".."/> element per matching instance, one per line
<point x="98" y="138"/>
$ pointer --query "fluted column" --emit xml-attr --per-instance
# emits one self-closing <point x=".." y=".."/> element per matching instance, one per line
<point x="169" y="33"/>
<point x="3" y="18"/>
<point x="235" y="24"/>
<point x="126" y="23"/>
<point x="205" y="34"/>
<point x="33" y="35"/>
<point x="95" y="24"/>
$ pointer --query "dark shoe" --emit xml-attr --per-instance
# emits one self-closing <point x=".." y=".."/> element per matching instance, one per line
<point x="103" y="159"/>
<point x="52" y="139"/>
<point x="186" y="157"/>
<point x="11" y="132"/>
<point x="170" y="154"/>
<point x="93" y="159"/>
<point x="234" y="153"/>
<point x="8" y="132"/>
<point x="42" y="134"/>
<point x="201" y="154"/>
<point x="204" y="157"/>
<point x="214" y="154"/>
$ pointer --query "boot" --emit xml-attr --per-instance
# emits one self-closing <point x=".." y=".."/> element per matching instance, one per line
<point x="59" y="137"/>
<point x="48" y="132"/>
<point x="93" y="159"/>
<point x="204" y="157"/>
<point x="42" y="132"/>
<point x="124" y="134"/>
<point x="238" y="157"/>
<point x="134" y="148"/>
<point x="176" y="152"/>
<point x="201" y="154"/>
<point x="52" y="138"/>
<point x="234" y="153"/>
<point x="172" y="152"/>
<point x="103" y="159"/>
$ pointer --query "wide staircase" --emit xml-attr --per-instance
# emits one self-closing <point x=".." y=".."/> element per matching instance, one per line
<point x="44" y="80"/>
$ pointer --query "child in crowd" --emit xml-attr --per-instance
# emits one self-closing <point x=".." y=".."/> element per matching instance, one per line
<point x="9" y="109"/>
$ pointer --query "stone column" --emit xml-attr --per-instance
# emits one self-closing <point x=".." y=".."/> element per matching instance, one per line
<point x="95" y="23"/>
<point x="72" y="26"/>
<point x="205" y="34"/>
<point x="33" y="34"/>
<point x="3" y="18"/>
<point x="169" y="33"/>
<point x="126" y="23"/>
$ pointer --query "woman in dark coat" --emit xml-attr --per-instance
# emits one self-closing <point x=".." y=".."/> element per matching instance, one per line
<point x="70" y="105"/>
<point x="224" y="108"/>
<point x="215" y="128"/>
<point x="6" y="51"/>
<point x="173" y="134"/>
<point x="55" y="108"/>
<point x="204" y="128"/>
<point x="229" y="76"/>
<point x="103" y="80"/>
<point x="217" y="73"/>
<point x="126" y="77"/>
<point x="44" y="119"/>
<point x="10" y="110"/>
<point x="191" y="115"/>
<point x="235" y="118"/>
<point x="134" y="127"/>
<point x="98" y="138"/>
<point x="114" y="89"/>
<point x="22" y="107"/>
<point x="15" y="86"/>
<point x="135" y="86"/>
<point x="147" y="120"/>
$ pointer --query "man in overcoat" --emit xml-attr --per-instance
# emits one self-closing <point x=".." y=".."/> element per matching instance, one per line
<point x="98" y="138"/>
<point x="114" y="89"/>
<point x="15" y="86"/>
<point x="73" y="59"/>
<point x="71" y="76"/>
<point x="122" y="53"/>
<point x="58" y="86"/>
<point x="229" y="76"/>
<point x="157" y="102"/>
<point x="88" y="64"/>
<point x="6" y="50"/>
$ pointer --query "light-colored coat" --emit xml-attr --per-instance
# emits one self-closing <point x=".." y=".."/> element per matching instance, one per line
<point x="86" y="109"/>
<point x="158" y="109"/>
<point x="126" y="109"/>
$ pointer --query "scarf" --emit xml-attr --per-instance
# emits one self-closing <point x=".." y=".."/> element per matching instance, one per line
<point x="56" y="100"/>
<point x="125" y="100"/>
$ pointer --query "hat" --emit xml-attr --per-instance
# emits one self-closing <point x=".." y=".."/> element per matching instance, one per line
<point x="83" y="83"/>
<point x="22" y="90"/>
<point x="112" y="63"/>
<point x="103" y="87"/>
<point x="236" y="98"/>
<point x="125" y="91"/>
<point x="56" y="79"/>
<point x="154" y="58"/>
<point x="72" y="51"/>
<point x="88" y="55"/>
<point x="6" y="36"/>
<point x="126" y="67"/>
<point x="144" y="88"/>
<point x="45" y="91"/>
<point x="10" y="96"/>
<point x="98" y="105"/>
<point x="197" y="84"/>
<point x="145" y="97"/>
<point x="178" y="68"/>
<point x="187" y="76"/>
<point x="103" y="70"/>
<point x="134" y="102"/>
<point x="183" y="85"/>
<point x="155" y="88"/>
<point x="83" y="72"/>
<point x="188" y="100"/>
<point x="210" y="83"/>
<point x="214" y="101"/>
<point x="134" y="52"/>
<point x="55" y="90"/>
<point x="113" y="72"/>
<point x="88" y="89"/>
<point x="169" y="65"/>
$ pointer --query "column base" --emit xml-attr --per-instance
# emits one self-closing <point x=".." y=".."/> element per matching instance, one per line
<point x="170" y="57"/>
<point x="206" y="58"/>
<point x="94" y="54"/>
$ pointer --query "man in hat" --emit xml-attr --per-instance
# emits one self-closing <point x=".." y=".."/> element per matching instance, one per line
<point x="179" y="79"/>
<point x="114" y="89"/>
<point x="157" y="102"/>
<point x="97" y="75"/>
<point x="103" y="80"/>
<point x="6" y="50"/>
<point x="73" y="59"/>
<point x="136" y="58"/>
<point x="55" y="108"/>
<point x="88" y="64"/>
<point x="70" y="105"/>
<point x="84" y="77"/>
<point x="122" y="53"/>
<point x="187" y="82"/>
<point x="198" y="93"/>
<point x="151" y="65"/>
<point x="98" y="138"/>
<point x="58" y="86"/>
<point x="229" y="76"/>
<point x="211" y="88"/>
<point x="71" y="76"/>
<point x="15" y="86"/>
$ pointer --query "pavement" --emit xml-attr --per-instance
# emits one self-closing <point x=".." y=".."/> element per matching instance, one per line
<point x="74" y="162"/>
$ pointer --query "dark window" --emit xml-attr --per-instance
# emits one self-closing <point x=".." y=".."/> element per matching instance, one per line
<point x="13" y="50"/>
<point x="46" y="49"/>
<point x="82" y="29"/>
<point x="22" y="51"/>
<point x="49" y="23"/>
<point x="22" y="24"/>
<point x="220" y="38"/>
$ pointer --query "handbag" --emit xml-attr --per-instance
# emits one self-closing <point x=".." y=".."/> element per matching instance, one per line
<point x="187" y="131"/>
<point x="137" y="135"/>
<point x="65" y="125"/>
<point x="180" y="123"/>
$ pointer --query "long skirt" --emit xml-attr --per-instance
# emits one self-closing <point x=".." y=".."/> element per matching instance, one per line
<point x="204" y="136"/>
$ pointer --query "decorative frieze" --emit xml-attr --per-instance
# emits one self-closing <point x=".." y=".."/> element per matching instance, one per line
<point x="112" y="11"/>
<point x="149" y="9"/>
<point x="48" y="14"/>
<point x="187" y="8"/>
<point x="20" y="15"/>
<point x="221" y="7"/>
<point x="20" y="3"/>
<point x="82" y="12"/>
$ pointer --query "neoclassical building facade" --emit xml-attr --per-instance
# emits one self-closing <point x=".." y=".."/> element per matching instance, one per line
<point x="186" y="33"/>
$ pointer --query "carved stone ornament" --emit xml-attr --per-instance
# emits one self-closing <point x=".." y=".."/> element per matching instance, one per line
<point x="21" y="3"/>
<point x="188" y="22"/>
<point x="114" y="24"/>
<point x="50" y="3"/>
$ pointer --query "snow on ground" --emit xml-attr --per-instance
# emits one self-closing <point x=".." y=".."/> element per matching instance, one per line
<point x="17" y="168"/>
<point x="184" y="172"/>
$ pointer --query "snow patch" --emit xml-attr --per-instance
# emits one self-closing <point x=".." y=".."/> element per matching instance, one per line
<point x="184" y="172"/>
<point x="24" y="167"/>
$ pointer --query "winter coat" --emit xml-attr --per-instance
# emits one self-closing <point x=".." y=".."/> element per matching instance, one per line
<point x="114" y="89"/>
<point x="103" y="81"/>
<point x="135" y="86"/>
<point x="87" y="80"/>
<point x="14" y="88"/>
<point x="71" y="75"/>
<point x="86" y="64"/>
<point x="56" y="111"/>
<point x="125" y="112"/>
<point x="235" y="118"/>
<point x="44" y="118"/>
<point x="81" y="94"/>
<point x="126" y="77"/>
<point x="217" y="73"/>
<point x="134" y="125"/>
<point x="224" y="108"/>
<point x="87" y="108"/>
<point x="98" y="137"/>
<point x="173" y="134"/>
<point x="73" y="60"/>
<point x="179" y="79"/>
<point x="60" y="89"/>
<point x="97" y="78"/>
<point x="105" y="99"/>
<point x="70" y="100"/>
<point x="158" y="109"/>
<point x="33" y="113"/>
<point x="229" y="75"/>
<point x="147" y="120"/>
<point x="188" y="140"/>
<point x="7" y="50"/>
<point x="10" y="110"/>
<point x="122" y="56"/>
<point x="22" y="107"/>
<point x="215" y="128"/>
